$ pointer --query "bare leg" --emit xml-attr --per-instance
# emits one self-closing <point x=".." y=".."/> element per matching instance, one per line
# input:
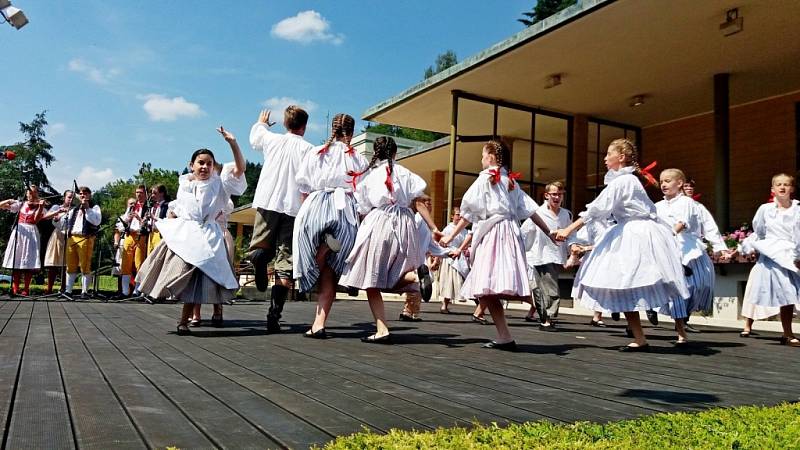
<point x="196" y="311"/>
<point x="217" y="310"/>
<point x="376" y="305"/>
<point x="186" y="312"/>
<point x="445" y="305"/>
<point x="786" y="321"/>
<point x="498" y="317"/>
<point x="748" y="326"/>
<point x="680" y="327"/>
<point x="635" y="325"/>
<point x="597" y="316"/>
<point x="325" y="297"/>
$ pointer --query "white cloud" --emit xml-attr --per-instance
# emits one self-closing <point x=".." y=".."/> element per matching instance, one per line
<point x="54" y="129"/>
<point x="164" y="109"/>
<point x="61" y="175"/>
<point x="91" y="72"/>
<point x="305" y="28"/>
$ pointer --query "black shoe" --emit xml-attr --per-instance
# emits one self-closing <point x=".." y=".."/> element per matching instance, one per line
<point x="119" y="297"/>
<point x="480" y="320"/>
<point x="216" y="321"/>
<point x="84" y="296"/>
<point x="319" y="334"/>
<point x="691" y="329"/>
<point x="652" y="316"/>
<point x="681" y="344"/>
<point x="385" y="339"/>
<point x="183" y="330"/>
<point x="550" y="327"/>
<point x="508" y="346"/>
<point x="352" y="291"/>
<point x="273" y="325"/>
<point x="259" y="259"/>
<point x="631" y="349"/>
<point x="425" y="283"/>
<point x="597" y="323"/>
<point x="615" y="317"/>
<point x="530" y="319"/>
<point x="406" y="317"/>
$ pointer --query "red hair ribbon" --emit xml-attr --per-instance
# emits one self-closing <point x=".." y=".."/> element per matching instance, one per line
<point x="696" y="197"/>
<point x="354" y="178"/>
<point x="323" y="150"/>
<point x="388" y="182"/>
<point x="512" y="177"/>
<point x="649" y="176"/>
<point x="771" y="198"/>
<point x="495" y="175"/>
<point x="350" y="151"/>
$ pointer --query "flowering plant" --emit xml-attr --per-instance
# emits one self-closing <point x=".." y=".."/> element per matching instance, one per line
<point x="733" y="239"/>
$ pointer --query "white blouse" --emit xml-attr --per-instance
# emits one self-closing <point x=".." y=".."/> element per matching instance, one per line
<point x="485" y="199"/>
<point x="276" y="189"/>
<point x="373" y="192"/>
<point x="539" y="248"/>
<point x="624" y="198"/>
<point x="776" y="234"/>
<point x="330" y="168"/>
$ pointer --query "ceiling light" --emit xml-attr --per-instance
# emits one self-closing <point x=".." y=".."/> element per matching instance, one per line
<point x="636" y="100"/>
<point x="12" y="15"/>
<point x="553" y="80"/>
<point x="733" y="23"/>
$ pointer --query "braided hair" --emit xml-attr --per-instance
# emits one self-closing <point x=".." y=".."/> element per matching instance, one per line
<point x="342" y="128"/>
<point x="501" y="155"/>
<point x="626" y="147"/>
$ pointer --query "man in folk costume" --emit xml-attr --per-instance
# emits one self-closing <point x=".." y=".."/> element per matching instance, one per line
<point x="83" y="222"/>
<point x="134" y="247"/>
<point x="158" y="211"/>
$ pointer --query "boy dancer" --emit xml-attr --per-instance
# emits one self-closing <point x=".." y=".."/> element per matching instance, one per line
<point x="277" y="201"/>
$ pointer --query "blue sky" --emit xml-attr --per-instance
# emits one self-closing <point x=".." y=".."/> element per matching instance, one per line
<point x="125" y="82"/>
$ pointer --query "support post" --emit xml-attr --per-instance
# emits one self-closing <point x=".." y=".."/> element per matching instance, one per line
<point x="722" y="150"/>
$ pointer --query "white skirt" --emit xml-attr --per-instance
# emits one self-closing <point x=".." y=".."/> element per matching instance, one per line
<point x="54" y="255"/>
<point x="499" y="266"/>
<point x="449" y="282"/>
<point x="772" y="285"/>
<point x="386" y="248"/>
<point x="25" y="239"/>
<point x="635" y="266"/>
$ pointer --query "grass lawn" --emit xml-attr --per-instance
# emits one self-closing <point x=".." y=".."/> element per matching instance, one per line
<point x="749" y="427"/>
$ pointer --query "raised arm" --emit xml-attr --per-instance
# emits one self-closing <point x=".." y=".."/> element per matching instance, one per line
<point x="238" y="158"/>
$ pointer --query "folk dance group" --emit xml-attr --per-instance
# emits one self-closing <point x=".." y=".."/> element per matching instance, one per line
<point x="327" y="217"/>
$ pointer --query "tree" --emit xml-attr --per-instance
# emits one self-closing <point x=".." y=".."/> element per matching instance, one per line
<point x="252" y="172"/>
<point x="443" y="61"/>
<point x="33" y="155"/>
<point x="543" y="10"/>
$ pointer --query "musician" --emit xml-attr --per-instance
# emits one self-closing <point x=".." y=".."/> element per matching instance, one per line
<point x="158" y="211"/>
<point x="134" y="246"/>
<point x="54" y="255"/>
<point x="22" y="251"/>
<point x="83" y="223"/>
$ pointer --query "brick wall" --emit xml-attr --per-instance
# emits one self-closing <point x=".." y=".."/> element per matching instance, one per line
<point x="763" y="142"/>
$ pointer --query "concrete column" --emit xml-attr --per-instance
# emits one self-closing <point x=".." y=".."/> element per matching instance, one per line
<point x="722" y="151"/>
<point x="239" y="229"/>
<point x="438" y="190"/>
<point x="580" y="151"/>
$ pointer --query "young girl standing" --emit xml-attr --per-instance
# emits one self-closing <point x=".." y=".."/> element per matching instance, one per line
<point x="453" y="270"/>
<point x="326" y="225"/>
<point x="22" y="251"/>
<point x="495" y="205"/>
<point x="775" y="279"/>
<point x="191" y="261"/>
<point x="387" y="248"/>
<point x="635" y="265"/>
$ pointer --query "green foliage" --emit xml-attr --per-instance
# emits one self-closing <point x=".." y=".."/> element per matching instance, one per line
<point x="251" y="173"/>
<point x="443" y="61"/>
<point x="749" y="427"/>
<point x="33" y="155"/>
<point x="403" y="132"/>
<point x="544" y="9"/>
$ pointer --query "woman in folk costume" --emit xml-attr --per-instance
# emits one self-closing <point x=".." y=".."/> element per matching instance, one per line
<point x="495" y="205"/>
<point x="54" y="255"/>
<point x="22" y="250"/>
<point x="682" y="214"/>
<point x="636" y="264"/>
<point x="387" y="248"/>
<point x="326" y="224"/>
<point x="775" y="278"/>
<point x="579" y="245"/>
<point x="191" y="261"/>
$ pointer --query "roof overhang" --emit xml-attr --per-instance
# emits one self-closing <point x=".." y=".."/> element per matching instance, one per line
<point x="609" y="51"/>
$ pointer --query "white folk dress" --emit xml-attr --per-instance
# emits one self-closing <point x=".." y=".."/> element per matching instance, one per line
<point x="387" y="245"/>
<point x="636" y="264"/>
<point x="774" y="280"/>
<point x="191" y="261"/>
<point x="328" y="175"/>
<point x="54" y="254"/>
<point x="452" y="271"/>
<point x="22" y="250"/>
<point x="497" y="254"/>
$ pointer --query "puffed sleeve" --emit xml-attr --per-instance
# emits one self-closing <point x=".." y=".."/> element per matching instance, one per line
<point x="710" y="230"/>
<point x="231" y="184"/>
<point x="361" y="195"/>
<point x="473" y="203"/>
<point x="759" y="222"/>
<point x="603" y="205"/>
<point x="259" y="136"/>
<point x="304" y="174"/>
<point x="15" y="207"/>
<point x="93" y="215"/>
<point x="524" y="205"/>
<point x="416" y="185"/>
<point x="528" y="232"/>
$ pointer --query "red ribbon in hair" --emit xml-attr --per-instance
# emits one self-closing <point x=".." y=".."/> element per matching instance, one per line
<point x="771" y="198"/>
<point x="388" y="182"/>
<point x="649" y="176"/>
<point x="323" y="150"/>
<point x="354" y="178"/>
<point x="495" y="175"/>
<point x="696" y="197"/>
<point x="350" y="151"/>
<point x="512" y="177"/>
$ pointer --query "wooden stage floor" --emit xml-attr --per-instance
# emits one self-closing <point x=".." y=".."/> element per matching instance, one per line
<point x="97" y="375"/>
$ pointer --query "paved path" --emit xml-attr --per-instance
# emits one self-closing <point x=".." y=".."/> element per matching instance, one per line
<point x="96" y="375"/>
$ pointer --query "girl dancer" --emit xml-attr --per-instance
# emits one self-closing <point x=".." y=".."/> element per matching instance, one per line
<point x="635" y="265"/>
<point x="495" y="204"/>
<point x="326" y="225"/>
<point x="682" y="214"/>
<point x="775" y="279"/>
<point x="387" y="247"/>
<point x="453" y="270"/>
<point x="191" y="262"/>
<point x="22" y="251"/>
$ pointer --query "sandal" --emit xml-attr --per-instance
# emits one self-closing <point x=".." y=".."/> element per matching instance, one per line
<point x="745" y="334"/>
<point x="183" y="329"/>
<point x="319" y="334"/>
<point x="195" y="323"/>
<point x="791" y="342"/>
<point x="216" y="321"/>
<point x="480" y="320"/>
<point x="444" y="311"/>
<point x="385" y="339"/>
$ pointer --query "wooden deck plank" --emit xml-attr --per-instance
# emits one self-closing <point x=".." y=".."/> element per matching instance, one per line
<point x="12" y="344"/>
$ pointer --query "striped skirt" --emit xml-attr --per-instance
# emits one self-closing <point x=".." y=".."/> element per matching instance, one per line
<point x="386" y="248"/>
<point x="499" y="266"/>
<point x="317" y="217"/>
<point x="164" y="273"/>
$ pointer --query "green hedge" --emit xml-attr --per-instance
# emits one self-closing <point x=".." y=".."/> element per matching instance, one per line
<point x="748" y="427"/>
